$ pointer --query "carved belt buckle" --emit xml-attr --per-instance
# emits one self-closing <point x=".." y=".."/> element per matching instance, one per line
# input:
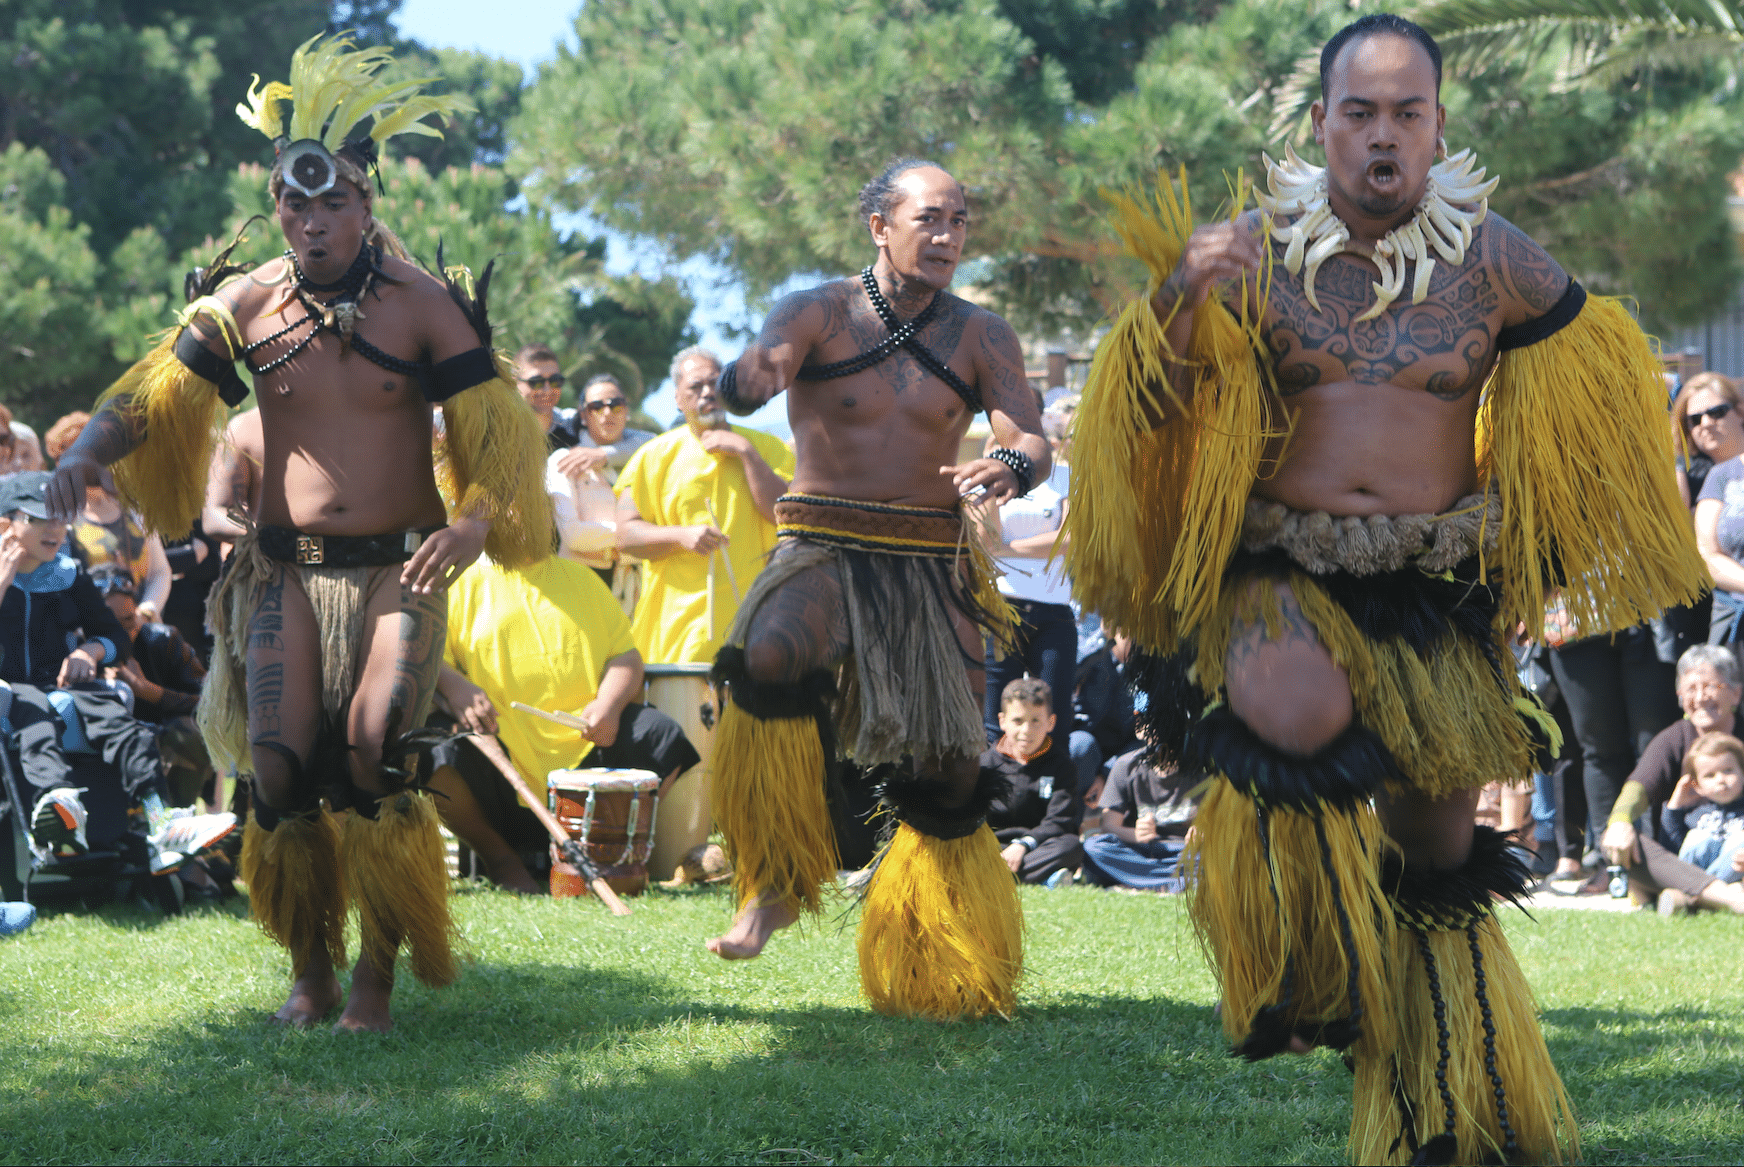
<point x="310" y="549"/>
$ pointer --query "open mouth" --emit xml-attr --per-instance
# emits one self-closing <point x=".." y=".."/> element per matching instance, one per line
<point x="1383" y="172"/>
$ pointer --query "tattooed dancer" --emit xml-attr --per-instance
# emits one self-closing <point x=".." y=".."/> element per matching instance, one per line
<point x="330" y="618"/>
<point x="875" y="578"/>
<point x="1328" y="614"/>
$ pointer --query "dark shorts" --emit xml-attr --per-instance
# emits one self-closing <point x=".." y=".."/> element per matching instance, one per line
<point x="647" y="740"/>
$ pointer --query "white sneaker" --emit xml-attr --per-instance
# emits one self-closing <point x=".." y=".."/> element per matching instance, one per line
<point x="57" y="826"/>
<point x="184" y="835"/>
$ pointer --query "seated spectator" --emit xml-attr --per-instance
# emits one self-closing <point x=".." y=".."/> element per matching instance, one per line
<point x="1147" y="815"/>
<point x="106" y="534"/>
<point x="549" y="636"/>
<point x="19" y="450"/>
<point x="1704" y="817"/>
<point x="165" y="676"/>
<point x="1037" y="819"/>
<point x="1102" y="705"/>
<point x="56" y="633"/>
<point x="1708" y="689"/>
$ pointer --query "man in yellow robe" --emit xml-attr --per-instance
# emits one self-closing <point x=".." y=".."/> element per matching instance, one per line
<point x="698" y="504"/>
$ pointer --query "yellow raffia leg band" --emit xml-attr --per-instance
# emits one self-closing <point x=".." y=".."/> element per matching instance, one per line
<point x="1289" y="909"/>
<point x="1471" y="1080"/>
<point x="770" y="803"/>
<point x="296" y="891"/>
<point x="397" y="873"/>
<point x="941" y="930"/>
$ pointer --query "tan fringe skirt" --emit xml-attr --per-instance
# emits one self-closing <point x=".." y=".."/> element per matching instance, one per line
<point x="339" y="596"/>
<point x="905" y="573"/>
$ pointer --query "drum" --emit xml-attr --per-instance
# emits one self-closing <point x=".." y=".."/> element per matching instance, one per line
<point x="611" y="814"/>
<point x="681" y="692"/>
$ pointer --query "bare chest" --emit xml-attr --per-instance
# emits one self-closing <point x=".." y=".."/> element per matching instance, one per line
<point x="301" y="369"/>
<point x="898" y="390"/>
<point x="1443" y="347"/>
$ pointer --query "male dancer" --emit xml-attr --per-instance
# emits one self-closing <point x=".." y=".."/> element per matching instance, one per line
<point x="875" y="572"/>
<point x="333" y="608"/>
<point x="1287" y="512"/>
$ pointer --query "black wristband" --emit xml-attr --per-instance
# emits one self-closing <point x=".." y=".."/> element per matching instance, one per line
<point x="1020" y="465"/>
<point x="727" y="389"/>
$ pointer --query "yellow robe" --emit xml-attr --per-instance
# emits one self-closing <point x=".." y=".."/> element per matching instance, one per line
<point x="674" y="482"/>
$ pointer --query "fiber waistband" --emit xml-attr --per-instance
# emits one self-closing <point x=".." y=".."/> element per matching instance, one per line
<point x="889" y="528"/>
<point x="1324" y="543"/>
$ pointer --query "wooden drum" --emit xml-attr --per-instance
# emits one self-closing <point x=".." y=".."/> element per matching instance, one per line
<point x="611" y="814"/>
<point x="681" y="692"/>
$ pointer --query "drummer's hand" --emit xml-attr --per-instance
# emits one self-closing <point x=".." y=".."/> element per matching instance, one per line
<point x="602" y="722"/>
<point x="472" y="708"/>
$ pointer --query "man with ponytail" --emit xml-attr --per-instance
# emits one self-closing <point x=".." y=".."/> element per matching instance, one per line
<point x="877" y="581"/>
<point x="1346" y="445"/>
<point x="330" y="616"/>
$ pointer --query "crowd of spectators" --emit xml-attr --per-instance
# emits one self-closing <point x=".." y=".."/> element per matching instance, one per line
<point x="659" y="537"/>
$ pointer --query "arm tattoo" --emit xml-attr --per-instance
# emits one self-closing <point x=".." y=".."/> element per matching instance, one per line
<point x="1011" y="393"/>
<point x="1536" y="281"/>
<point x="110" y="435"/>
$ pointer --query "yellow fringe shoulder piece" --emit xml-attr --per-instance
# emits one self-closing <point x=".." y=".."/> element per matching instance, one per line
<point x="941" y="934"/>
<point x="164" y="478"/>
<point x="491" y="461"/>
<point x="1572" y="433"/>
<point x="1156" y="512"/>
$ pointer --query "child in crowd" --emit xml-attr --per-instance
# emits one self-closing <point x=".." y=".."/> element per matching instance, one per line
<point x="1704" y="817"/>
<point x="1147" y="814"/>
<point x="1036" y="819"/>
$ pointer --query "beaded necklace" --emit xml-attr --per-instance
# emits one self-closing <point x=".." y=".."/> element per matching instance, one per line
<point x="902" y="336"/>
<point x="338" y="316"/>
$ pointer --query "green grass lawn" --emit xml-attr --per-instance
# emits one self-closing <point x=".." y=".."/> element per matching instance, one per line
<point x="577" y="1037"/>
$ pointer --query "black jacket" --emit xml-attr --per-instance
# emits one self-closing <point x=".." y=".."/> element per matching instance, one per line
<point x="1043" y="799"/>
<point x="47" y="614"/>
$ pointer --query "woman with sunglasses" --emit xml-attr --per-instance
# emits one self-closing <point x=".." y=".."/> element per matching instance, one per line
<point x="579" y="481"/>
<point x="1714" y="425"/>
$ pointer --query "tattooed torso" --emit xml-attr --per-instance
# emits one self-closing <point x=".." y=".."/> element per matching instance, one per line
<point x="346" y="443"/>
<point x="882" y="433"/>
<point x="1384" y="409"/>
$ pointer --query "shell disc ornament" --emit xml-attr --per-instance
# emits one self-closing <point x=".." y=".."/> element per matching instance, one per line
<point x="308" y="168"/>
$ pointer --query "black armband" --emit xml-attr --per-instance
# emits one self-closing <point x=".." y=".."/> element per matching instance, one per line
<point x="444" y="379"/>
<point x="1020" y="464"/>
<point x="209" y="366"/>
<point x="727" y="389"/>
<point x="1561" y="314"/>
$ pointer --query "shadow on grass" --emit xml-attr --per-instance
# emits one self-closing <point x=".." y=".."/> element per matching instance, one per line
<point x="530" y="1062"/>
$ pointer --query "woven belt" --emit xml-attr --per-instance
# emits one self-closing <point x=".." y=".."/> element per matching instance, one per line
<point x="289" y="545"/>
<point x="927" y="532"/>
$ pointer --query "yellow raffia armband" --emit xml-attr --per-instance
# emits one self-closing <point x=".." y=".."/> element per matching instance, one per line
<point x="1155" y="513"/>
<point x="1572" y="434"/>
<point x="182" y="418"/>
<point x="491" y="461"/>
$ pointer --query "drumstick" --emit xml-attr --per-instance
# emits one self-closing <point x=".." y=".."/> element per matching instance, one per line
<point x="732" y="576"/>
<point x="566" y="846"/>
<point x="711" y="596"/>
<point x="569" y="719"/>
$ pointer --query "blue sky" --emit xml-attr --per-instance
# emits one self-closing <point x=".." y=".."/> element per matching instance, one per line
<point x="528" y="31"/>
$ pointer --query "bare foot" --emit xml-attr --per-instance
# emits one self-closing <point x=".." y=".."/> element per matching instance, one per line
<point x="366" y="1010"/>
<point x="313" y="995"/>
<point x="509" y="873"/>
<point x="751" y="930"/>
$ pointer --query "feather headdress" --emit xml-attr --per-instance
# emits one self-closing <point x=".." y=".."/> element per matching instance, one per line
<point x="334" y="87"/>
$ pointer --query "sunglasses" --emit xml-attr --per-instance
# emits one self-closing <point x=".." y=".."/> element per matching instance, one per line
<point x="555" y="380"/>
<point x="1715" y="414"/>
<point x="608" y="404"/>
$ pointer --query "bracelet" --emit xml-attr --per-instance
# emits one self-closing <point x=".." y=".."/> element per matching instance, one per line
<point x="1020" y="465"/>
<point x="1029" y="842"/>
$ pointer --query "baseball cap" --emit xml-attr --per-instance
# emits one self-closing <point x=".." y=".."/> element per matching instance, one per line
<point x="25" y="491"/>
